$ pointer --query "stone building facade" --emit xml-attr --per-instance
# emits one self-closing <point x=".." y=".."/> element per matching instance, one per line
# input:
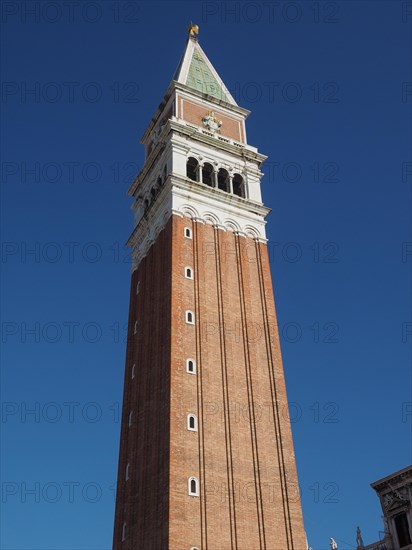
<point x="395" y="495"/>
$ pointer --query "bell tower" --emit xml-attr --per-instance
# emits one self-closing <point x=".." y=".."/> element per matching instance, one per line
<point x="206" y="453"/>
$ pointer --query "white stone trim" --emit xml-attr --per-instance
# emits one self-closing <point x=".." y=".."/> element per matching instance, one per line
<point x="189" y="211"/>
<point x="141" y="248"/>
<point x="184" y="68"/>
<point x="210" y="218"/>
<point x="142" y="238"/>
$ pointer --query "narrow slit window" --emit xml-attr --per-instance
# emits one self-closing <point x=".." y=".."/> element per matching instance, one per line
<point x="193" y="487"/>
<point x="136" y="327"/>
<point x="127" y="471"/>
<point x="190" y="318"/>
<point x="133" y="370"/>
<point x="138" y="287"/>
<point x="192" y="422"/>
<point x="130" y="418"/>
<point x="124" y="531"/>
<point x="188" y="273"/>
<point x="188" y="233"/>
<point x="191" y="366"/>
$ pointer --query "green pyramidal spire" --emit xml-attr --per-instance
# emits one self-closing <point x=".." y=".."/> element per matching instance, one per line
<point x="200" y="78"/>
<point x="196" y="71"/>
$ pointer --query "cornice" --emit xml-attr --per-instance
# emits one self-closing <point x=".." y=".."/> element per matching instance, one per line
<point x="196" y="134"/>
<point x="182" y="197"/>
<point x="388" y="481"/>
<point x="205" y="97"/>
<point x="226" y="144"/>
<point x="247" y="206"/>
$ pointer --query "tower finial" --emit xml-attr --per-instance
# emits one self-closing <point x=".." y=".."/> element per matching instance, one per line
<point x="193" y="31"/>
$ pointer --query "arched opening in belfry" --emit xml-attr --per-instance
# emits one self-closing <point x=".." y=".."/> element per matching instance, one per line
<point x="207" y="174"/>
<point x="238" y="186"/>
<point x="223" y="181"/>
<point x="192" y="168"/>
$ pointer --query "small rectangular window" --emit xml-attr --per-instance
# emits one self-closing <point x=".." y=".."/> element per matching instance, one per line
<point x="191" y="366"/>
<point x="192" y="422"/>
<point x="193" y="487"/>
<point x="190" y="318"/>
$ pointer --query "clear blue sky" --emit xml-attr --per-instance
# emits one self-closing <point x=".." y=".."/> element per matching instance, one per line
<point x="324" y="82"/>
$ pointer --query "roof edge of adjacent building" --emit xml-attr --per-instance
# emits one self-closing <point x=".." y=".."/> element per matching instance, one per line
<point x="386" y="479"/>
